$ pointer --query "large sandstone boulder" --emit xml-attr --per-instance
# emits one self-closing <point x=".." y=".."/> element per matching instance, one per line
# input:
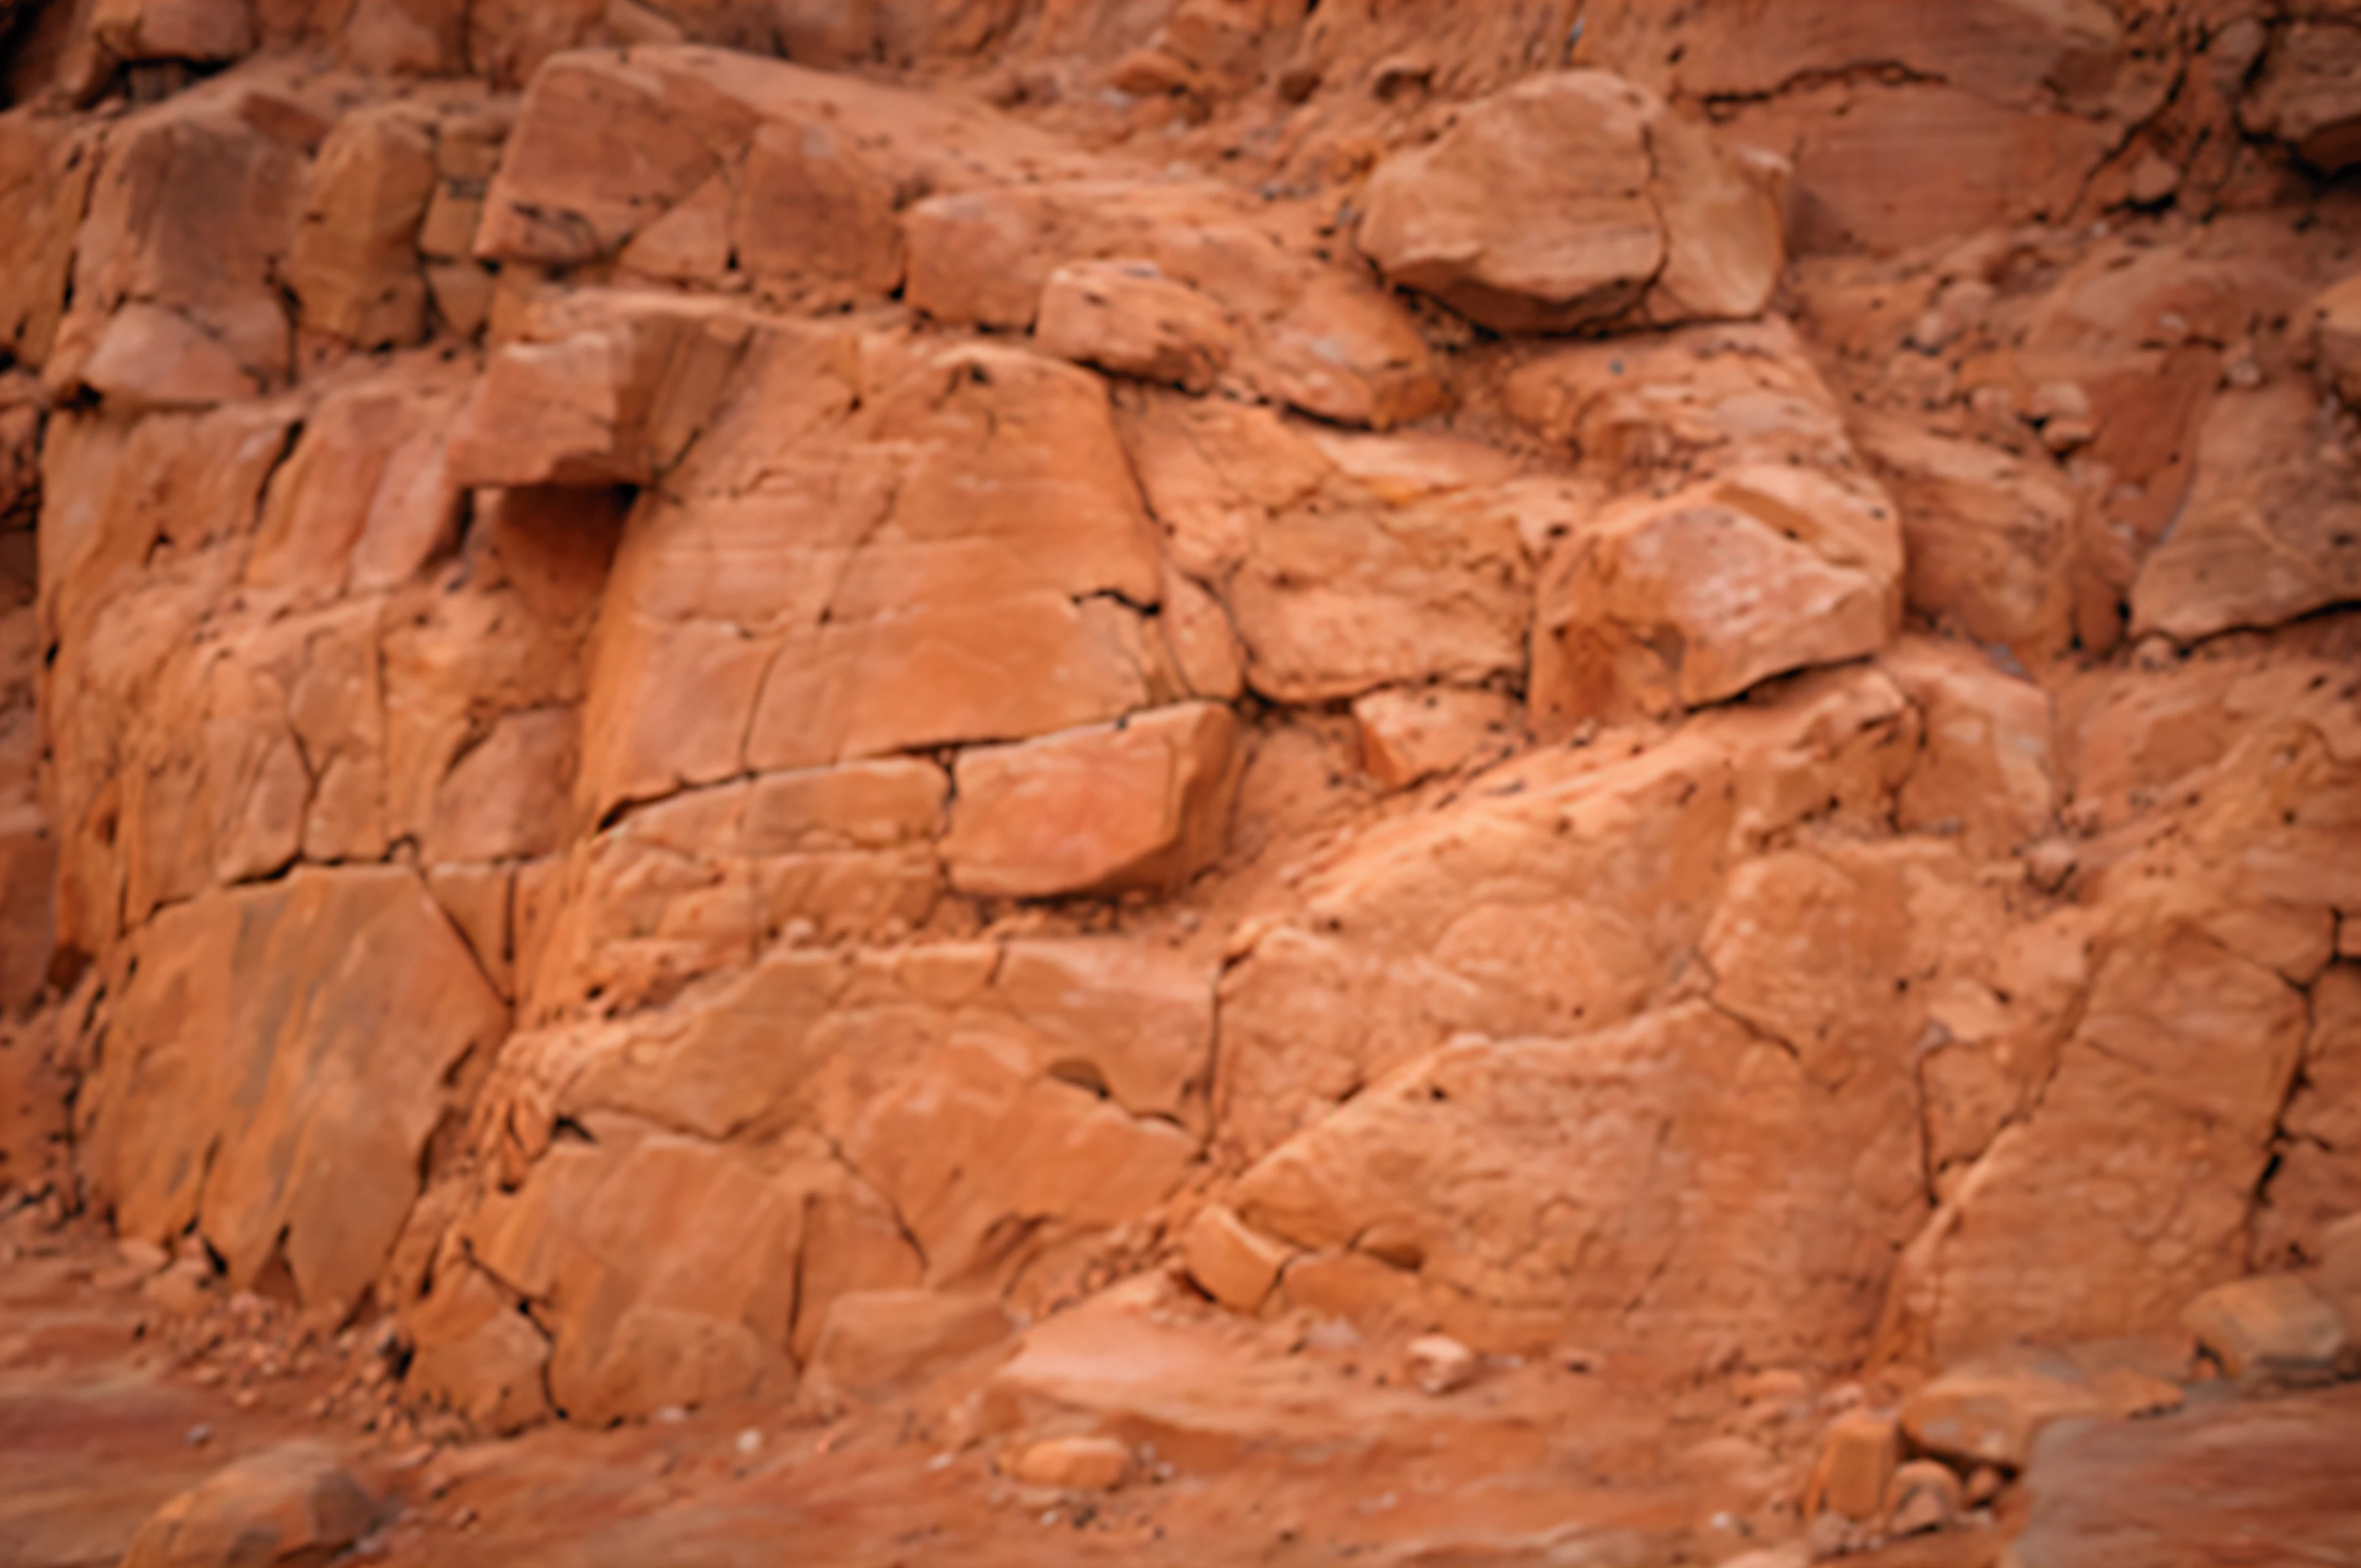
<point x="1575" y="198"/>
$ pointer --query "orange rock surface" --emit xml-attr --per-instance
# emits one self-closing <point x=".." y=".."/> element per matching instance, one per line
<point x="1029" y="729"/>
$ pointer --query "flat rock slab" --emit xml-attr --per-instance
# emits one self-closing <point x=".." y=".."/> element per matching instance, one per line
<point x="2225" y="1482"/>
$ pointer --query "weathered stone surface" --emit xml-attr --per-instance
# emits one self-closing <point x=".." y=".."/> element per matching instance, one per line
<point x="877" y="1343"/>
<point x="1073" y="1464"/>
<point x="2271" y="1329"/>
<point x="1989" y="773"/>
<point x="1345" y="562"/>
<point x="2304" y="94"/>
<point x="190" y="210"/>
<point x="2198" y="1488"/>
<point x="2317" y="1182"/>
<point x="275" y="1067"/>
<point x="979" y="1107"/>
<point x="1643" y="215"/>
<point x="665" y="1267"/>
<point x="1627" y="623"/>
<point x="2272" y="526"/>
<point x="2184" y="1046"/>
<point x="46" y="166"/>
<point x="2336" y="335"/>
<point x="294" y="1503"/>
<point x="1409" y="735"/>
<point x="150" y="357"/>
<point x="952" y="562"/>
<point x="1144" y="802"/>
<point x="1231" y="1261"/>
<point x="353" y="263"/>
<point x="365" y="497"/>
<point x="609" y="389"/>
<point x="1443" y="1170"/>
<point x="1987" y="537"/>
<point x="1991" y="1410"/>
<point x="479" y="1354"/>
<point x="174" y="29"/>
<point x="1309" y="334"/>
<point x="1127" y="317"/>
<point x="670" y="118"/>
<point x="1856" y="1467"/>
<point x="1558" y="900"/>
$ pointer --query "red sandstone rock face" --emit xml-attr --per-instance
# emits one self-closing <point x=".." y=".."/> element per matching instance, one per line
<point x="722" y="728"/>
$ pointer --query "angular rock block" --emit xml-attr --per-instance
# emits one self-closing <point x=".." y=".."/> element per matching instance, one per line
<point x="1571" y="199"/>
<point x="476" y="1353"/>
<point x="1127" y="317"/>
<point x="1233" y="1264"/>
<point x="605" y="391"/>
<point x="1989" y="537"/>
<point x="355" y="262"/>
<point x="1407" y="736"/>
<point x="1140" y="803"/>
<point x="1658" y="604"/>
<point x="1856" y="1465"/>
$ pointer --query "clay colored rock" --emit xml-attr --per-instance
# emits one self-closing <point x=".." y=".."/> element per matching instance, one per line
<point x="1639" y="214"/>
<point x="1142" y="803"/>
<point x="1073" y="1464"/>
<point x="1990" y="1411"/>
<point x="1439" y="1364"/>
<point x="2272" y="527"/>
<point x="1407" y="736"/>
<point x="875" y="1342"/>
<point x="607" y="392"/>
<point x="2271" y="1328"/>
<point x="1856" y="1467"/>
<point x="1231" y="1261"/>
<point x="289" y="1505"/>
<point x="1127" y="317"/>
<point x="2304" y="94"/>
<point x="1923" y="1495"/>
<point x="287" y="1120"/>
<point x="2336" y="333"/>
<point x="1627" y="624"/>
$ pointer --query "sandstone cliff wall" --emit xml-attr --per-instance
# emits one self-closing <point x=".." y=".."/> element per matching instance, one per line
<point x="1669" y="677"/>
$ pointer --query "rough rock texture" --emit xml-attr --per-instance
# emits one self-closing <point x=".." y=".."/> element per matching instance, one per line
<point x="1021" y="712"/>
<point x="289" y="1504"/>
<point x="1576" y="198"/>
